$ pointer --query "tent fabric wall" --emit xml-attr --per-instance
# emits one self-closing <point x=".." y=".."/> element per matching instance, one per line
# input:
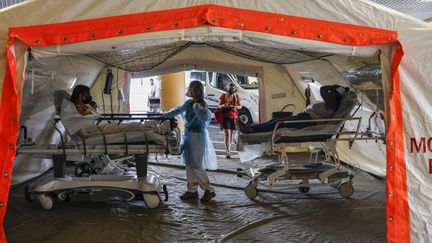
<point x="37" y="112"/>
<point x="120" y="84"/>
<point x="416" y="113"/>
<point x="366" y="155"/>
<point x="400" y="225"/>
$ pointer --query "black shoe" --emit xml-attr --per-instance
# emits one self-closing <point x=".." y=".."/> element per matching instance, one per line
<point x="208" y="195"/>
<point x="189" y="195"/>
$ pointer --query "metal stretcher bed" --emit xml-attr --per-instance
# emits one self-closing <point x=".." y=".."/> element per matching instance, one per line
<point x="150" y="134"/>
<point x="303" y="176"/>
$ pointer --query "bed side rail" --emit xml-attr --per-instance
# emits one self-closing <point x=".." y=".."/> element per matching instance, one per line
<point x="354" y="134"/>
<point x="119" y="118"/>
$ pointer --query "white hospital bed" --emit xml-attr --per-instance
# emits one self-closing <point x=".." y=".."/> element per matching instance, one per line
<point x="95" y="139"/>
<point x="285" y="174"/>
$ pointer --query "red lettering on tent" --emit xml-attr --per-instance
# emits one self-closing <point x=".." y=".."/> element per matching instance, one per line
<point x="430" y="166"/>
<point x="413" y="143"/>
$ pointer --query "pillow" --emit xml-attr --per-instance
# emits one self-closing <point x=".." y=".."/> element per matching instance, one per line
<point x="59" y="96"/>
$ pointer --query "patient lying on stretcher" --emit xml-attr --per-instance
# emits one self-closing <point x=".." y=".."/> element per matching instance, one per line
<point x="83" y="102"/>
<point x="84" y="121"/>
<point x="331" y="94"/>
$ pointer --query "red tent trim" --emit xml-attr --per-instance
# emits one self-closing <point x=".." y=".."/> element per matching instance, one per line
<point x="221" y="16"/>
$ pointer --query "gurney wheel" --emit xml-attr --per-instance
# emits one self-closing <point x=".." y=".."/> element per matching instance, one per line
<point x="27" y="194"/>
<point x="64" y="196"/>
<point x="251" y="190"/>
<point x="304" y="189"/>
<point x="346" y="189"/>
<point x="47" y="201"/>
<point x="151" y="200"/>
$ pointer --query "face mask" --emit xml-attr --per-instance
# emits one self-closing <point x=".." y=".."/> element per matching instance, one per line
<point x="188" y="93"/>
<point x="87" y="99"/>
<point x="232" y="91"/>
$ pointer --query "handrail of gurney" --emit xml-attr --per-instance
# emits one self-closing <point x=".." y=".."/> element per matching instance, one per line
<point x="173" y="125"/>
<point x="131" y="117"/>
<point x="120" y="117"/>
<point x="273" y="142"/>
<point x="51" y="149"/>
<point x="132" y="114"/>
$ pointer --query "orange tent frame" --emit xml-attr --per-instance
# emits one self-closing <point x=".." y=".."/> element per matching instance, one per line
<point x="220" y="16"/>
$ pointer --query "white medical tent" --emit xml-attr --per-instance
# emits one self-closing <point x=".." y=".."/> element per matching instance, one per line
<point x="52" y="45"/>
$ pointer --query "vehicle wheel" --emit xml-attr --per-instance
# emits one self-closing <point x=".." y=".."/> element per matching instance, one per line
<point x="304" y="189"/>
<point x="245" y="117"/>
<point x="251" y="190"/>
<point x="83" y="169"/>
<point x="151" y="200"/>
<point x="47" y="201"/>
<point x="346" y="189"/>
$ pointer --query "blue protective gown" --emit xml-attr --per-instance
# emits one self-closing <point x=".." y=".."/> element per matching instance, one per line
<point x="198" y="151"/>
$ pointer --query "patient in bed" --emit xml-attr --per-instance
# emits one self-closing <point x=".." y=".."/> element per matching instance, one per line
<point x="331" y="94"/>
<point x="82" y="100"/>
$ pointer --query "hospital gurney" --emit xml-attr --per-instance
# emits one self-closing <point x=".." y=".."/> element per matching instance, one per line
<point x="138" y="139"/>
<point x="328" y="172"/>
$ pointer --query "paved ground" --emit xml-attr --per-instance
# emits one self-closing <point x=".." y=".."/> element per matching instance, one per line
<point x="217" y="137"/>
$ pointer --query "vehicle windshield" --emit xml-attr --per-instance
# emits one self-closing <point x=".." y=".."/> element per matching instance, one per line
<point x="247" y="82"/>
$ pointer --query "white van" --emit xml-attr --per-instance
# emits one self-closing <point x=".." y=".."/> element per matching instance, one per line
<point x="216" y="83"/>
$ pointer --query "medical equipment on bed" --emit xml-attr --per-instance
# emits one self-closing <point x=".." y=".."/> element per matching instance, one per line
<point x="154" y="104"/>
<point x="138" y="139"/>
<point x="327" y="132"/>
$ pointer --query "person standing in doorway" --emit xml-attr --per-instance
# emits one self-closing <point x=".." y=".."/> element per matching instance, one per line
<point x="152" y="92"/>
<point x="152" y="96"/>
<point x="230" y="104"/>
<point x="198" y="152"/>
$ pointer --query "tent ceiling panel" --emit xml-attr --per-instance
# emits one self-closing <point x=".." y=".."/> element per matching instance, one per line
<point x="203" y="34"/>
<point x="366" y="12"/>
<point x="421" y="9"/>
<point x="266" y="54"/>
<point x="135" y="60"/>
<point x="7" y="3"/>
<point x="139" y="60"/>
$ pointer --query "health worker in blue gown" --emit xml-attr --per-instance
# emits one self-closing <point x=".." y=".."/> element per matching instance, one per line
<point x="198" y="153"/>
